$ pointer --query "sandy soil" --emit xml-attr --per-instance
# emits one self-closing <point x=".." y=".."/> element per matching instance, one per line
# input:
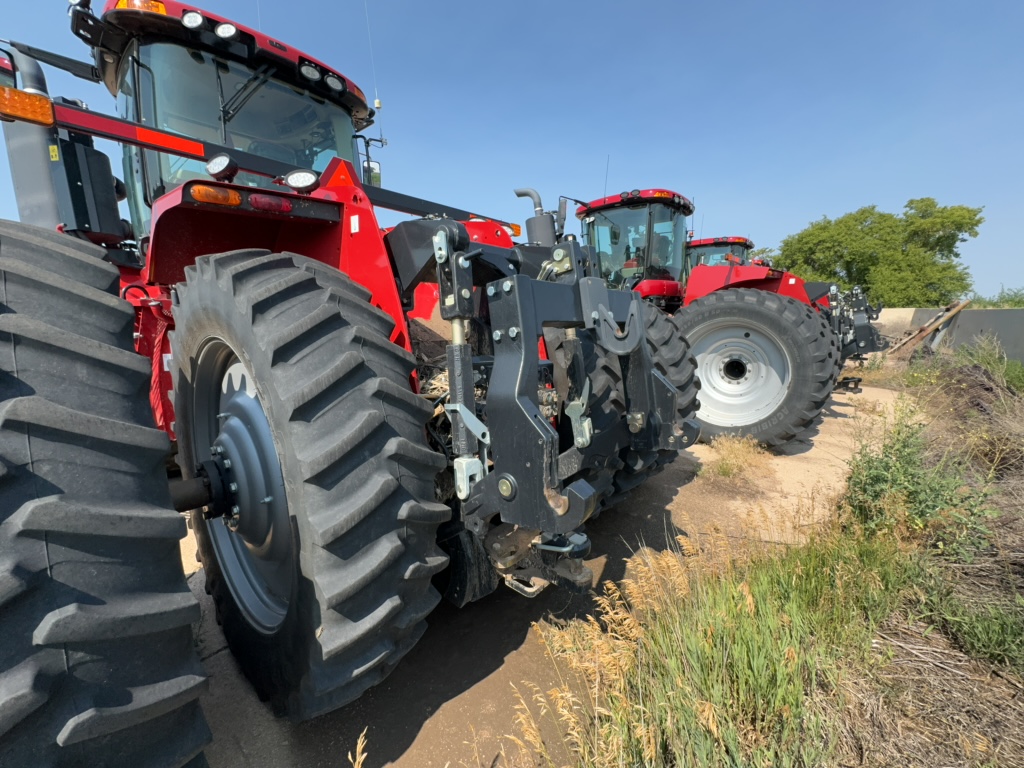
<point x="450" y="701"/>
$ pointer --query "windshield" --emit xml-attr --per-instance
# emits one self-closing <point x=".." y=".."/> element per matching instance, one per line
<point x="714" y="255"/>
<point x="211" y="99"/>
<point x="632" y="244"/>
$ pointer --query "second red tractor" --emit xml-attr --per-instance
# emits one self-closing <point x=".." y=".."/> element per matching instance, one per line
<point x="769" y="346"/>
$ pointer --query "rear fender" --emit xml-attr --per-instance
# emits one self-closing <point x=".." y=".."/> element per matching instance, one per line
<point x="708" y="279"/>
<point x="336" y="226"/>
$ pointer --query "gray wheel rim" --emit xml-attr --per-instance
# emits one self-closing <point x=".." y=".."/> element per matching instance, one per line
<point x="745" y="372"/>
<point x="254" y="551"/>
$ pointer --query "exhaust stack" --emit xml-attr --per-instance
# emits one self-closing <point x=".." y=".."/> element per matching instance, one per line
<point x="540" y="228"/>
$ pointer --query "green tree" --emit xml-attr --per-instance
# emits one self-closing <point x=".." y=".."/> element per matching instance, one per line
<point x="902" y="260"/>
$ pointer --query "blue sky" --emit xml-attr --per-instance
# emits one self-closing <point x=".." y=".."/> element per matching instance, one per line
<point x="767" y="115"/>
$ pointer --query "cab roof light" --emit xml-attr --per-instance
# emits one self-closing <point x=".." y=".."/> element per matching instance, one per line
<point x="226" y="30"/>
<point x="151" y="6"/>
<point x="222" y="167"/>
<point x="30" y="107"/>
<point x="204" y="193"/>
<point x="192" y="19"/>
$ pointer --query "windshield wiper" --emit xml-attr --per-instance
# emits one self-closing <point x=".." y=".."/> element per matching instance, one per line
<point x="230" y="108"/>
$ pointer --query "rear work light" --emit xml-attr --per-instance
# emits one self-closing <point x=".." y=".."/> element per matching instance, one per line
<point x="203" y="193"/>
<point x="192" y="19"/>
<point x="271" y="203"/>
<point x="302" y="180"/>
<point x="30" y="107"/>
<point x="225" y="30"/>
<point x="152" y="6"/>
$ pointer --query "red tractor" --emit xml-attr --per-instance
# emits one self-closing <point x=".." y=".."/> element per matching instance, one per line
<point x="718" y="251"/>
<point x="350" y="417"/>
<point x="769" y="346"/>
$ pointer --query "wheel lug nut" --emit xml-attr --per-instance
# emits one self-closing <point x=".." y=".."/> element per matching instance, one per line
<point x="227" y="463"/>
<point x="235" y="510"/>
<point x="233" y="487"/>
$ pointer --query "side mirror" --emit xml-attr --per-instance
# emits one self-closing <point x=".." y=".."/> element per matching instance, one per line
<point x="120" y="190"/>
<point x="371" y="173"/>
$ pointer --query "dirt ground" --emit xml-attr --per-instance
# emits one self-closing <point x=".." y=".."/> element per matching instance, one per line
<point x="450" y="701"/>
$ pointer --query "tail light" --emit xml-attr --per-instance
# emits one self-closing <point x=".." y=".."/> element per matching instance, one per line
<point x="271" y="203"/>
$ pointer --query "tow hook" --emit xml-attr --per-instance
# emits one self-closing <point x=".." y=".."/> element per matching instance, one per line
<point x="529" y="561"/>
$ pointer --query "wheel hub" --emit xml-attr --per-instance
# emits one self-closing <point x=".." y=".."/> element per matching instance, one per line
<point x="253" y="541"/>
<point x="735" y="369"/>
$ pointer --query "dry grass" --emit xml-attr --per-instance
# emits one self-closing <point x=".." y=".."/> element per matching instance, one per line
<point x="359" y="759"/>
<point x="736" y="459"/>
<point x="879" y="370"/>
<point x="923" y="702"/>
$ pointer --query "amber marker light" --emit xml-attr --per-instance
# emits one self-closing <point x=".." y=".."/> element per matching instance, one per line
<point x="30" y="107"/>
<point x="151" y="6"/>
<point x="203" y="193"/>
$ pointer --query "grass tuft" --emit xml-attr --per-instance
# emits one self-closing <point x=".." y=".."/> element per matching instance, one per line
<point x="734" y="457"/>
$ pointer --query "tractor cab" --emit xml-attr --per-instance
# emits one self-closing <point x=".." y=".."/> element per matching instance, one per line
<point x="204" y="77"/>
<point x="718" y="251"/>
<point x="638" y="236"/>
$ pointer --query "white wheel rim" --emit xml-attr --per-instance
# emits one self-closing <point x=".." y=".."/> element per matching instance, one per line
<point x="745" y="372"/>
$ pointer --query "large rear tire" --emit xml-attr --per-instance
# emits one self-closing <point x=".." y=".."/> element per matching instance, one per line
<point x="766" y="364"/>
<point x="322" y="577"/>
<point x="97" y="664"/>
